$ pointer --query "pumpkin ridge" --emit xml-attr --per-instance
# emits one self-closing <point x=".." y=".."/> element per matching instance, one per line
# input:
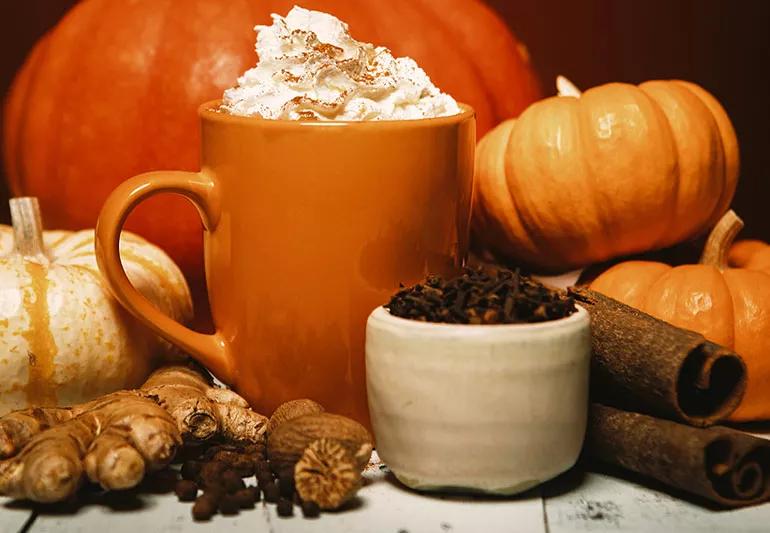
<point x="674" y="214"/>
<point x="600" y="250"/>
<point x="727" y="183"/>
<point x="537" y="244"/>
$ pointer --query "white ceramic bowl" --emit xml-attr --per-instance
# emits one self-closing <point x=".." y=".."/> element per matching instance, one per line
<point x="491" y="408"/>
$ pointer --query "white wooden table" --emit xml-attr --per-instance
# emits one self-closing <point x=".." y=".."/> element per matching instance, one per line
<point x="576" y="502"/>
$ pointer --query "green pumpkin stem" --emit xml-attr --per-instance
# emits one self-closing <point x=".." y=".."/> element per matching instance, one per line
<point x="720" y="240"/>
<point x="28" y="229"/>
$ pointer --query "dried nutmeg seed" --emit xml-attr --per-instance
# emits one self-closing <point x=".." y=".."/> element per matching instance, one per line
<point x="291" y="410"/>
<point x="327" y="474"/>
<point x="288" y="442"/>
<point x="186" y="490"/>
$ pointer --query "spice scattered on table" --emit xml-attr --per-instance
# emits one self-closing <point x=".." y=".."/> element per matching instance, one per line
<point x="481" y="297"/>
<point x="312" y="459"/>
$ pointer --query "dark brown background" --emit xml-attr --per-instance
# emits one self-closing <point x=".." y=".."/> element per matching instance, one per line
<point x="723" y="45"/>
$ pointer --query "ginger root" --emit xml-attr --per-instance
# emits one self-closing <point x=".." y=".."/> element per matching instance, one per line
<point x="114" y="440"/>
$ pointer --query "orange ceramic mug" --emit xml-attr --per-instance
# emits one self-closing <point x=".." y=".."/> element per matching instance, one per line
<point x="308" y="227"/>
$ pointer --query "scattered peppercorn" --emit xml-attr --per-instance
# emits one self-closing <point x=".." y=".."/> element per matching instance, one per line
<point x="186" y="490"/>
<point x="190" y="470"/>
<point x="229" y="505"/>
<point x="271" y="492"/>
<point x="204" y="507"/>
<point x="286" y="484"/>
<point x="211" y="474"/>
<point x="310" y="509"/>
<point x="211" y="453"/>
<point x="245" y="498"/>
<point x="263" y="467"/>
<point x="232" y="482"/>
<point x="215" y="493"/>
<point x="285" y="508"/>
<point x="264" y="479"/>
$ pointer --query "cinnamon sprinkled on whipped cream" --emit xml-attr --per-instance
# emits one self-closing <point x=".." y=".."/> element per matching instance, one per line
<point x="310" y="68"/>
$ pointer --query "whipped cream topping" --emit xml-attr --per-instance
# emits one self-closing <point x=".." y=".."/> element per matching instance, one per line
<point x="310" y="68"/>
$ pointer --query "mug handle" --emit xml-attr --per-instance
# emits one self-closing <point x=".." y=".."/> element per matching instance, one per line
<point x="210" y="350"/>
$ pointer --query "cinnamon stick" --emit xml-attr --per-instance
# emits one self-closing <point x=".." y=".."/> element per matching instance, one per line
<point x="725" y="466"/>
<point x="643" y="364"/>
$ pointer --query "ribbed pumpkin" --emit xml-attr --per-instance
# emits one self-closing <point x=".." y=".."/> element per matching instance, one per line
<point x="751" y="254"/>
<point x="63" y="338"/>
<point x="579" y="179"/>
<point x="730" y="306"/>
<point x="112" y="91"/>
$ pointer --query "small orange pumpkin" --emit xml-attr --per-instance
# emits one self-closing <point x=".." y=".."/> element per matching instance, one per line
<point x="730" y="306"/>
<point x="751" y="254"/>
<point x="621" y="169"/>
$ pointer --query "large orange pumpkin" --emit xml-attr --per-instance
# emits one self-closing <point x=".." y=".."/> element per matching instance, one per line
<point x="621" y="169"/>
<point x="730" y="306"/>
<point x="112" y="92"/>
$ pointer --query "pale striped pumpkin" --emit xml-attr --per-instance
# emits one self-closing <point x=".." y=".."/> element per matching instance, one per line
<point x="63" y="338"/>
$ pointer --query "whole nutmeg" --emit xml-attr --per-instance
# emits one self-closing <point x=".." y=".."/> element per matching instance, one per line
<point x="327" y="474"/>
<point x="291" y="410"/>
<point x="288" y="442"/>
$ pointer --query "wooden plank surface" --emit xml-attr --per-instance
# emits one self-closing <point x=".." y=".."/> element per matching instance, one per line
<point x="383" y="506"/>
<point x="596" y="503"/>
<point x="13" y="515"/>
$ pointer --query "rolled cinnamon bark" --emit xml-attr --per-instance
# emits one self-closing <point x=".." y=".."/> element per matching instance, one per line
<point x="643" y="364"/>
<point x="725" y="466"/>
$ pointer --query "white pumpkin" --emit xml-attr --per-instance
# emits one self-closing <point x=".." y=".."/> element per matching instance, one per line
<point x="63" y="338"/>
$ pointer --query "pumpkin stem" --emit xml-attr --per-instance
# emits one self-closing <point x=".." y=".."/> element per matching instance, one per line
<point x="720" y="240"/>
<point x="28" y="229"/>
<point x="567" y="88"/>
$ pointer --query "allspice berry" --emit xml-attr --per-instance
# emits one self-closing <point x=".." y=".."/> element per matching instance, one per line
<point x="327" y="474"/>
<point x="286" y="483"/>
<point x="190" y="470"/>
<point x="186" y="490"/>
<point x="285" y="508"/>
<point x="245" y="498"/>
<point x="271" y="492"/>
<point x="228" y="505"/>
<point x="232" y="482"/>
<point x="205" y="507"/>
<point x="211" y="474"/>
<point x="310" y="510"/>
